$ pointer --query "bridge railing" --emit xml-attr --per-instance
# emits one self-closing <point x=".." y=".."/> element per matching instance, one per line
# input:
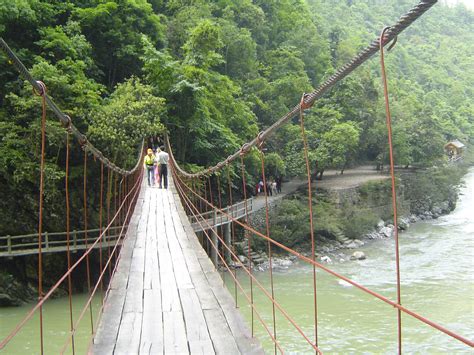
<point x="217" y="218"/>
<point x="117" y="190"/>
<point x="27" y="244"/>
<point x="202" y="191"/>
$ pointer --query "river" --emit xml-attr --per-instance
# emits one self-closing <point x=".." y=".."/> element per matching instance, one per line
<point x="437" y="282"/>
<point x="56" y="323"/>
<point x="437" y="263"/>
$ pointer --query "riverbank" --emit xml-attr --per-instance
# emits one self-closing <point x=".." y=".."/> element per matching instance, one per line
<point x="437" y="259"/>
<point x="348" y="217"/>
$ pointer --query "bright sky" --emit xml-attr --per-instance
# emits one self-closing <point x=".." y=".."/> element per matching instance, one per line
<point x="468" y="3"/>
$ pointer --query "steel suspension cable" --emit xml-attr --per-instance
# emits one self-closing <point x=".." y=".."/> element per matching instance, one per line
<point x="86" y="236"/>
<point x="38" y="305"/>
<point x="41" y="93"/>
<point x="261" y="287"/>
<point x="406" y="20"/>
<point x="353" y="283"/>
<point x="246" y="235"/>
<point x="219" y="201"/>
<point x="101" y="202"/>
<point x="116" y="223"/>
<point x="267" y="225"/>
<point x="135" y="191"/>
<point x="68" y="227"/>
<point x="311" y="224"/>
<point x="232" y="229"/>
<point x="108" y="197"/>
<point x="394" y="193"/>
<point x="63" y="118"/>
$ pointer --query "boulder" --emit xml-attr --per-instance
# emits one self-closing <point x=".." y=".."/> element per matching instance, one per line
<point x="387" y="231"/>
<point x="326" y="259"/>
<point x="351" y="245"/>
<point x="444" y="207"/>
<point x="380" y="224"/>
<point x="358" y="242"/>
<point x="403" y="224"/>
<point x="243" y="259"/>
<point x="358" y="255"/>
<point x="8" y="301"/>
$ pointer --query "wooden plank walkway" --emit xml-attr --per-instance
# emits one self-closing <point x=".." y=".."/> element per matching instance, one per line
<point x="166" y="296"/>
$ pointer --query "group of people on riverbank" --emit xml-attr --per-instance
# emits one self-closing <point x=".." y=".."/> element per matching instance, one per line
<point x="156" y="165"/>
<point x="273" y="186"/>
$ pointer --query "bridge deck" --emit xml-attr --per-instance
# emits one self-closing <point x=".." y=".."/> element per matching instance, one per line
<point x="166" y="296"/>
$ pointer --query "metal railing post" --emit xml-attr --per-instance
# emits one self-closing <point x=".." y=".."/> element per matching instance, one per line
<point x="74" y="237"/>
<point x="9" y="244"/>
<point x="46" y="239"/>
<point x="215" y="240"/>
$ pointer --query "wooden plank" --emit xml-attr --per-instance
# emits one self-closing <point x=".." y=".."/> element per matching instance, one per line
<point x="128" y="339"/>
<point x="152" y="327"/>
<point x="196" y="327"/>
<point x="151" y="341"/>
<point x="237" y="325"/>
<point x="205" y="294"/>
<point x="232" y="319"/>
<point x="173" y="300"/>
<point x="138" y="260"/>
<point x="178" y="263"/>
<point x="221" y="335"/>
<point x="120" y="279"/>
<point x="170" y="297"/>
<point x="174" y="333"/>
<point x="104" y="339"/>
<point x="134" y="295"/>
<point x="152" y="276"/>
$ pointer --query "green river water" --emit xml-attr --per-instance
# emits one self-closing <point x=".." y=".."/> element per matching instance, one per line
<point x="437" y="273"/>
<point x="437" y="282"/>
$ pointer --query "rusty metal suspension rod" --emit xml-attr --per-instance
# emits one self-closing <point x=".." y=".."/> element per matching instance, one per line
<point x="344" y="278"/>
<point x="311" y="222"/>
<point x="261" y="287"/>
<point x="394" y="192"/>
<point x="68" y="225"/>
<point x="136" y="191"/>
<point x="63" y="118"/>
<point x="10" y="336"/>
<point x="404" y="21"/>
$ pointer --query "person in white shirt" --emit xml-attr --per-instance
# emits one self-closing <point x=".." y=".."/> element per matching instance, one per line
<point x="162" y="159"/>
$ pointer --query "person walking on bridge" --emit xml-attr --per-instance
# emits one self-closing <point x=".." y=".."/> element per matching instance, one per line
<point x="162" y="159"/>
<point x="148" y="165"/>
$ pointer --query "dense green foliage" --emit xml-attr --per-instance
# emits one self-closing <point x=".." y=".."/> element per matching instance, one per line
<point x="289" y="221"/>
<point x="357" y="211"/>
<point x="214" y="73"/>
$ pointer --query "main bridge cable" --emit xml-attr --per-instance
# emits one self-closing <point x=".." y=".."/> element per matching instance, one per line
<point x="65" y="119"/>
<point x="404" y="21"/>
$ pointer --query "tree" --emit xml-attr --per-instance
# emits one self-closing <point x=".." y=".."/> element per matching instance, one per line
<point x="114" y="29"/>
<point x="130" y="114"/>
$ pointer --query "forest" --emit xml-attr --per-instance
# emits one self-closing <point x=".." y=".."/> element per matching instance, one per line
<point x="213" y="74"/>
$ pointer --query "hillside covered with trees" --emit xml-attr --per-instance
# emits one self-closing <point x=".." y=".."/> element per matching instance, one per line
<point x="215" y="73"/>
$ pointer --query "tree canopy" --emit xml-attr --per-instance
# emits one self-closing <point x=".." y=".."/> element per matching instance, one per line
<point x="214" y="73"/>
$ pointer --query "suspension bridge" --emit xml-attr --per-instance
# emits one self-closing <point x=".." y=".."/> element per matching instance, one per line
<point x="165" y="293"/>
